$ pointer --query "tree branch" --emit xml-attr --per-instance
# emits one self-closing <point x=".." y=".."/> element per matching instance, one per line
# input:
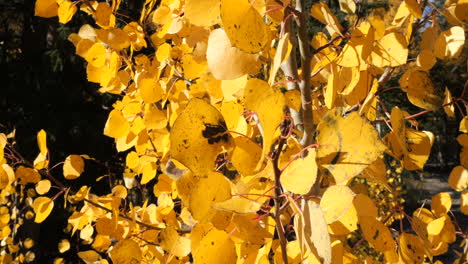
<point x="304" y="85"/>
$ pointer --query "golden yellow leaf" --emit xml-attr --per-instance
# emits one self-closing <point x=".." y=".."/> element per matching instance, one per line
<point x="96" y="55"/>
<point x="116" y="126"/>
<point x="46" y="8"/>
<point x="293" y="99"/>
<point x="87" y="232"/>
<point x="209" y="190"/>
<point x="198" y="135"/>
<point x="7" y="176"/>
<point x="332" y="209"/>
<point x="282" y="53"/>
<point x="174" y="244"/>
<point x="365" y="206"/>
<point x="463" y="127"/>
<point x="420" y="90"/>
<point x="449" y="109"/>
<point x="42" y="207"/>
<point x="346" y="224"/>
<point x="300" y="175"/>
<point x="90" y="256"/>
<point x="313" y="228"/>
<point x="376" y="233"/>
<point x="248" y="230"/>
<point x="411" y="248"/>
<point x="73" y="167"/>
<point x="322" y="13"/>
<point x="66" y="11"/>
<point x="332" y="88"/>
<point x="245" y="156"/>
<point x="426" y="60"/>
<point x="449" y="44"/>
<point x="347" y="144"/>
<point x="215" y="247"/>
<point x="244" y="26"/>
<point x="359" y="47"/>
<point x="347" y="6"/>
<point x="202" y="13"/>
<point x="225" y="61"/>
<point x="126" y="251"/>
<point x="390" y="51"/>
<point x="104" y="15"/>
<point x="269" y="105"/>
<point x="192" y="69"/>
<point x="376" y="172"/>
<point x="239" y="204"/>
<point x="26" y="175"/>
<point x="464" y="202"/>
<point x="441" y="203"/>
<point x="414" y="8"/>
<point x="150" y="90"/>
<point x="63" y="245"/>
<point x="458" y="178"/>
<point x="43" y="186"/>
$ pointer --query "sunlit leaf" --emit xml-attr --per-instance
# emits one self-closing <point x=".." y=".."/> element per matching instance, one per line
<point x="269" y="104"/>
<point x="215" y="247"/>
<point x="300" y="174"/>
<point x="42" y="207"/>
<point x="73" y="167"/>
<point x="458" y="178"/>
<point x="126" y="251"/>
<point x="243" y="25"/>
<point x="347" y="144"/>
<point x="198" y="135"/>
<point x="225" y="61"/>
<point x="376" y="233"/>
<point x="332" y="210"/>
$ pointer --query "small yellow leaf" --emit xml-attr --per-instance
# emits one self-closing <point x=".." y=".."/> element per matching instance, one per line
<point x="458" y="178"/>
<point x="449" y="109"/>
<point x="347" y="6"/>
<point x="46" y="8"/>
<point x="104" y="15"/>
<point x="420" y="90"/>
<point x="64" y="245"/>
<point x="73" y="167"/>
<point x="414" y="8"/>
<point x="174" y="244"/>
<point x="239" y="204"/>
<point x="246" y="156"/>
<point x="300" y="175"/>
<point x="96" y="55"/>
<point x="90" y="256"/>
<point x="225" y="61"/>
<point x="441" y="203"/>
<point x="332" y="209"/>
<point x="66" y="11"/>
<point x="464" y="202"/>
<point x="198" y="135"/>
<point x="43" y="186"/>
<point x="391" y="50"/>
<point x="243" y="25"/>
<point x="203" y="13"/>
<point x="426" y="60"/>
<point x="7" y="176"/>
<point x="365" y="206"/>
<point x="209" y="190"/>
<point x="411" y="248"/>
<point x="376" y="233"/>
<point x="26" y="175"/>
<point x="150" y="90"/>
<point x="293" y="99"/>
<point x="449" y="44"/>
<point x="347" y="144"/>
<point x="322" y="13"/>
<point x="42" y="142"/>
<point x="269" y="104"/>
<point x="126" y="251"/>
<point x="215" y="247"/>
<point x="312" y="226"/>
<point x="282" y="53"/>
<point x="116" y="126"/>
<point x="42" y="207"/>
